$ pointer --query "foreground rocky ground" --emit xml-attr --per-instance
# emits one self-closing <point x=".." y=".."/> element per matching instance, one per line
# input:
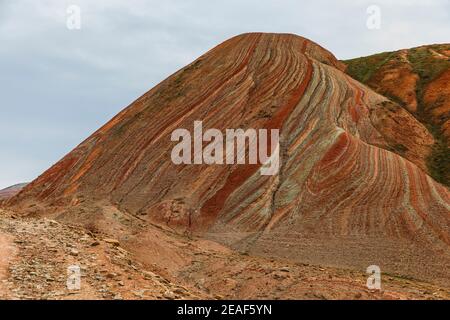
<point x="35" y="255"/>
<point x="352" y="188"/>
<point x="39" y="253"/>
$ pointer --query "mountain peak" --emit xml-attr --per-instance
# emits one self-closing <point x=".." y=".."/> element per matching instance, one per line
<point x="352" y="162"/>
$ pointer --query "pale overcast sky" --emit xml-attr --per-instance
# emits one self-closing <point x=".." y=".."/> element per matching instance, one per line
<point x="58" y="85"/>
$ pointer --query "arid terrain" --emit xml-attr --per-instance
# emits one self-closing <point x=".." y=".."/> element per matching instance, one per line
<point x="362" y="182"/>
<point x="37" y="252"/>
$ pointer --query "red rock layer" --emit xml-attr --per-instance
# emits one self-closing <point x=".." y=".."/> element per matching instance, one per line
<point x="11" y="191"/>
<point x="419" y="80"/>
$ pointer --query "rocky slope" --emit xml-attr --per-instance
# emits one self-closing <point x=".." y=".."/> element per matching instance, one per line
<point x="11" y="191"/>
<point x="352" y="190"/>
<point x="419" y="80"/>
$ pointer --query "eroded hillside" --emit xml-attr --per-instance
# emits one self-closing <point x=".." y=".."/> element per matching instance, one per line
<point x="419" y="80"/>
<point x="352" y="189"/>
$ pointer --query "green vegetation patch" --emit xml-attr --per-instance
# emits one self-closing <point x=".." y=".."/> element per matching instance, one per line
<point x="427" y="67"/>
<point x="363" y="68"/>
<point x="438" y="162"/>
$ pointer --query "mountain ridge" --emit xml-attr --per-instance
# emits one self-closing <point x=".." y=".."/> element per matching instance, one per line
<point x="345" y="184"/>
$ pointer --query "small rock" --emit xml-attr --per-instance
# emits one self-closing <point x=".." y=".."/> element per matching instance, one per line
<point x="148" y="275"/>
<point x="179" y="291"/>
<point x="118" y="297"/>
<point x="279" y="276"/>
<point x="74" y="252"/>
<point x="139" y="294"/>
<point x="114" y="242"/>
<point x="53" y="223"/>
<point x="169" y="295"/>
